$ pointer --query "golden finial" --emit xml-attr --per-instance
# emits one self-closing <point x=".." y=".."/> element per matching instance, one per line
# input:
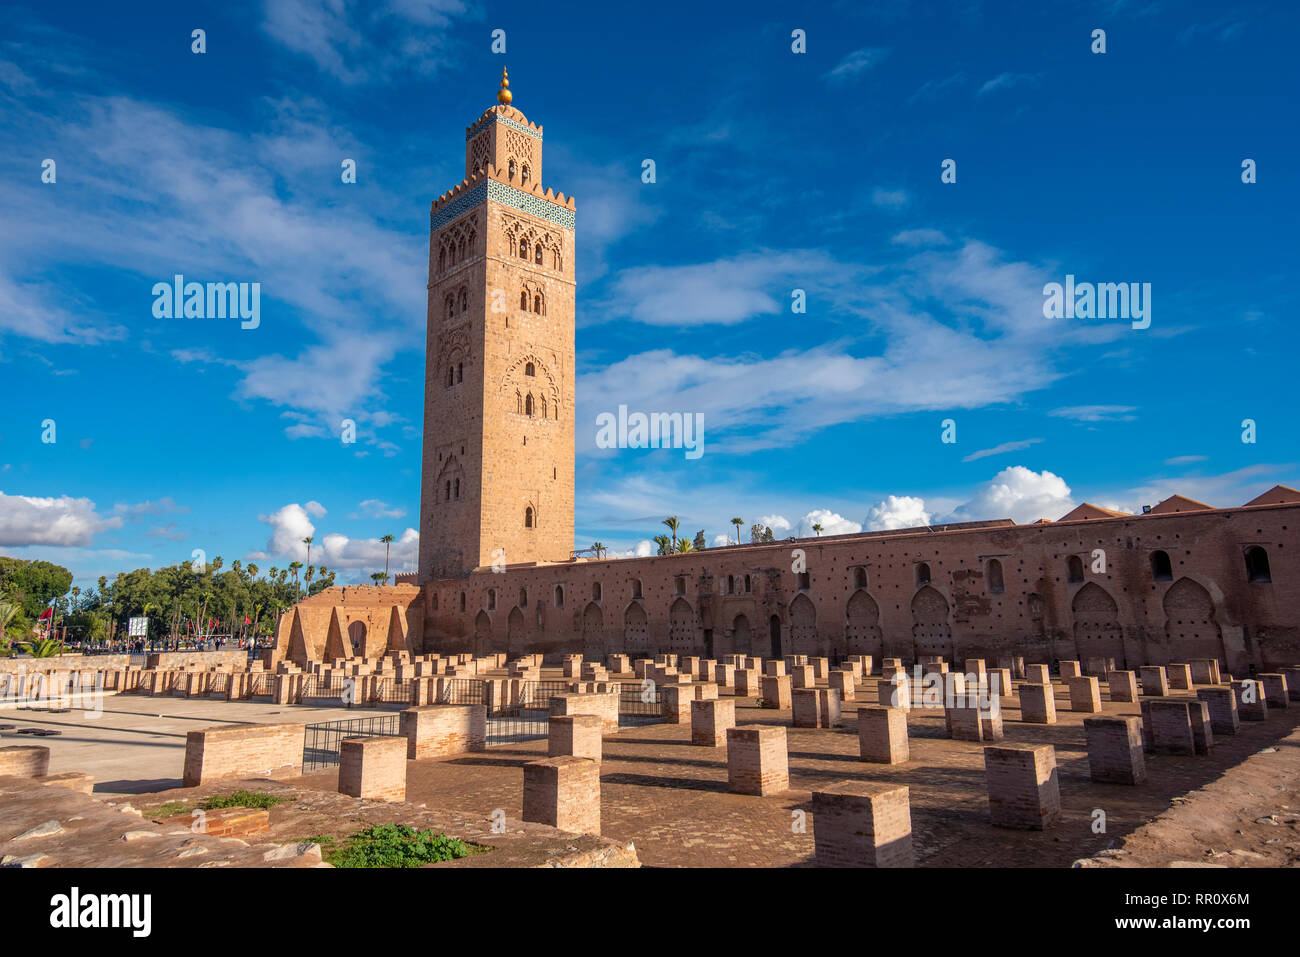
<point x="503" y="94"/>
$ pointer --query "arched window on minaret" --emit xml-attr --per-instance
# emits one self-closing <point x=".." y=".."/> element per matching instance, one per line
<point x="448" y="490"/>
<point x="537" y="257"/>
<point x="512" y="167"/>
<point x="530" y="369"/>
<point x="523" y="180"/>
<point x="542" y="401"/>
<point x="450" y="380"/>
<point x="528" y="404"/>
<point x="460" y="372"/>
<point x="457" y="487"/>
<point x="523" y="299"/>
<point x="559" y="260"/>
<point x="464" y="301"/>
<point x="528" y="517"/>
<point x="519" y="403"/>
<point x="523" y="249"/>
<point x="451" y="305"/>
<point x="537" y="304"/>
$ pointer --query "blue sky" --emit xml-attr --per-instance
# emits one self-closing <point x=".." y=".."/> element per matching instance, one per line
<point x="775" y="171"/>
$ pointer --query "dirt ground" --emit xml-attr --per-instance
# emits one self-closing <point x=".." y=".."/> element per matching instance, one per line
<point x="670" y="797"/>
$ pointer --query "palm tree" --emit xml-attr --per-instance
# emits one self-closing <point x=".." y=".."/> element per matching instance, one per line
<point x="673" y="524"/>
<point x="663" y="543"/>
<point x="8" y="612"/>
<point x="738" y="521"/>
<point x="307" y="541"/>
<point x="387" y="540"/>
<point x="684" y="545"/>
<point x="252" y="570"/>
<point x="293" y="567"/>
<point x="598" y="548"/>
<point x="378" y="577"/>
<point x="308" y="575"/>
<point x="817" y="527"/>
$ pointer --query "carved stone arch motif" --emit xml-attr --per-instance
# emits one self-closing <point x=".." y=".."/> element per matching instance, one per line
<point x="542" y="382"/>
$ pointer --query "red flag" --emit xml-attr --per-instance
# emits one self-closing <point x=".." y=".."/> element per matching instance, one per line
<point x="247" y="620"/>
<point x="47" y="613"/>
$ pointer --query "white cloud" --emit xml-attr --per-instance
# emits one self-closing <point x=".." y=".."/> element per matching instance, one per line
<point x="1185" y="459"/>
<point x="1020" y="494"/>
<point x="831" y="523"/>
<point x="292" y="523"/>
<point x="777" y="523"/>
<point x="920" y="237"/>
<point x="897" y="511"/>
<point x="29" y="520"/>
<point x="855" y="63"/>
<point x="374" y="508"/>
<point x="1005" y="447"/>
<point x="1095" y="413"/>
<point x="360" y="41"/>
<point x="1005" y="80"/>
<point x="720" y="540"/>
<point x="889" y="198"/>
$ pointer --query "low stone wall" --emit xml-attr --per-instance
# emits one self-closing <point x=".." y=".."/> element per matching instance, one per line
<point x="226" y="658"/>
<point x="244" y="750"/>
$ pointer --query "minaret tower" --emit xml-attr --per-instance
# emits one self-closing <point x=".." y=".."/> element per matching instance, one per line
<point x="497" y="477"/>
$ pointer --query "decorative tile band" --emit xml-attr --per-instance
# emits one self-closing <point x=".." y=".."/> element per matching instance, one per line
<point x="482" y="124"/>
<point x="507" y="196"/>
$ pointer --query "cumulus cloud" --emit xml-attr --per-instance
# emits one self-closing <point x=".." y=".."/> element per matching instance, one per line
<point x="29" y="520"/>
<point x="641" y="549"/>
<point x="897" y="511"/>
<point x="1020" y="494"/>
<point x="831" y="523"/>
<point x="292" y="523"/>
<point x="777" y="523"/>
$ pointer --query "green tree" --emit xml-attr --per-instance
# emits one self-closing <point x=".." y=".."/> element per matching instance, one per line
<point x="673" y="524"/>
<point x="738" y="521"/>
<point x="388" y="541"/>
<point x="817" y="527"/>
<point x="665" y="545"/>
<point x="699" y="544"/>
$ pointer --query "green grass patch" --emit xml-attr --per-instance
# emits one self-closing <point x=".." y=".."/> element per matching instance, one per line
<point x="251" y="799"/>
<point x="170" y="809"/>
<point x="397" y="845"/>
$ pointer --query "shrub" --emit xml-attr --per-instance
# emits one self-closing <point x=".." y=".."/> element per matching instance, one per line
<point x="397" y="845"/>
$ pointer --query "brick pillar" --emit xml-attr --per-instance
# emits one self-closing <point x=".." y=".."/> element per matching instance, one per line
<point x="774" y="668"/>
<point x="677" y="702"/>
<point x="710" y="721"/>
<point x="1292" y="681"/>
<point x="563" y="792"/>
<point x="1038" y="674"/>
<point x="1222" y="702"/>
<point x="1115" y="750"/>
<point x="1171" y="726"/>
<point x="821" y="668"/>
<point x="803" y="676"/>
<point x="1085" y="695"/>
<point x="1180" y="677"/>
<point x="1155" y="683"/>
<point x="1023" y="788"/>
<point x="1000" y="682"/>
<point x="975" y="666"/>
<point x="805" y="708"/>
<point x="725" y="676"/>
<point x="757" y="760"/>
<point x="1037" y="703"/>
<point x="843" y="682"/>
<point x="1252" y="700"/>
<point x="991" y="720"/>
<point x="776" y="692"/>
<point x="1070" y="669"/>
<point x="440" y="729"/>
<point x="748" y="683"/>
<point x="1205" y="671"/>
<point x="705" y="691"/>
<point x="1275" y="689"/>
<point x="575" y="735"/>
<point x="895" y="693"/>
<point x="24" y="761"/>
<point x="373" y="767"/>
<point x="1198" y="712"/>
<point x="882" y="734"/>
<point x="963" y="720"/>
<point x="1123" y="686"/>
<point x="862" y="824"/>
